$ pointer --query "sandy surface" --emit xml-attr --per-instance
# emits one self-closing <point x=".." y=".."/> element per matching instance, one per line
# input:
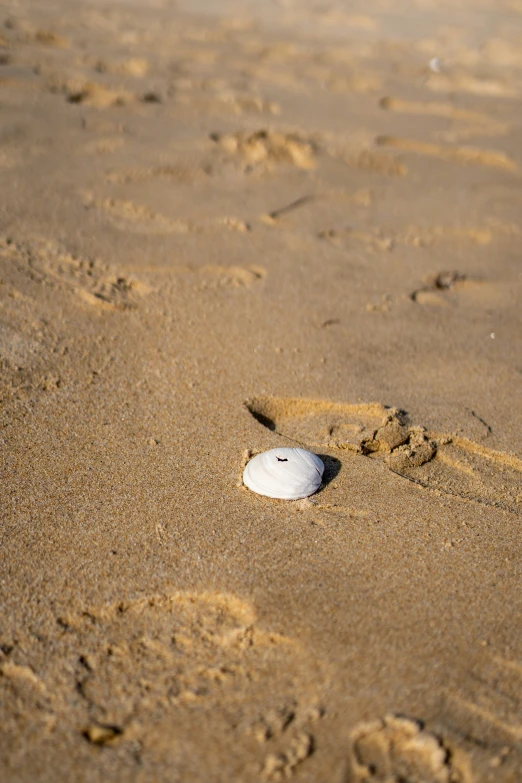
<point x="228" y="227"/>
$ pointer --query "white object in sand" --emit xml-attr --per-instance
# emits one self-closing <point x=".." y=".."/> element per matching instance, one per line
<point x="288" y="474"/>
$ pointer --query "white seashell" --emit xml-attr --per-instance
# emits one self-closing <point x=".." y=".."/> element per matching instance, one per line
<point x="288" y="474"/>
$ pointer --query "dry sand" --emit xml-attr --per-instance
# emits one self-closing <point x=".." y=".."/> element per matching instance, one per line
<point x="227" y="227"/>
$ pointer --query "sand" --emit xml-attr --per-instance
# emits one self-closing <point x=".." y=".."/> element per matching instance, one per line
<point x="226" y="227"/>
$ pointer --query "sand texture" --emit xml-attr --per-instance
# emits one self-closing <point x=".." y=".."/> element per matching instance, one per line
<point x="227" y="227"/>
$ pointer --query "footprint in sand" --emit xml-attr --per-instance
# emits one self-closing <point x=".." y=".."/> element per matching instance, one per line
<point x="460" y="80"/>
<point x="429" y="235"/>
<point x="93" y="94"/>
<point x="137" y="218"/>
<point x="435" y="293"/>
<point x="451" y="288"/>
<point x="467" y="123"/>
<point x="380" y="239"/>
<point x="267" y="149"/>
<point x="21" y="31"/>
<point x="443" y="462"/>
<point x="154" y="670"/>
<point x="210" y="276"/>
<point x="161" y="651"/>
<point x="433" y="109"/>
<point x="92" y="281"/>
<point x="399" y="750"/>
<point x="466" y="155"/>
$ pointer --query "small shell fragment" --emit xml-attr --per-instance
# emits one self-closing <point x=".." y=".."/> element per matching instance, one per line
<point x="287" y="474"/>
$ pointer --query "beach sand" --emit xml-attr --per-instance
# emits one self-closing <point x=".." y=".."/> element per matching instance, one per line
<point x="226" y="227"/>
